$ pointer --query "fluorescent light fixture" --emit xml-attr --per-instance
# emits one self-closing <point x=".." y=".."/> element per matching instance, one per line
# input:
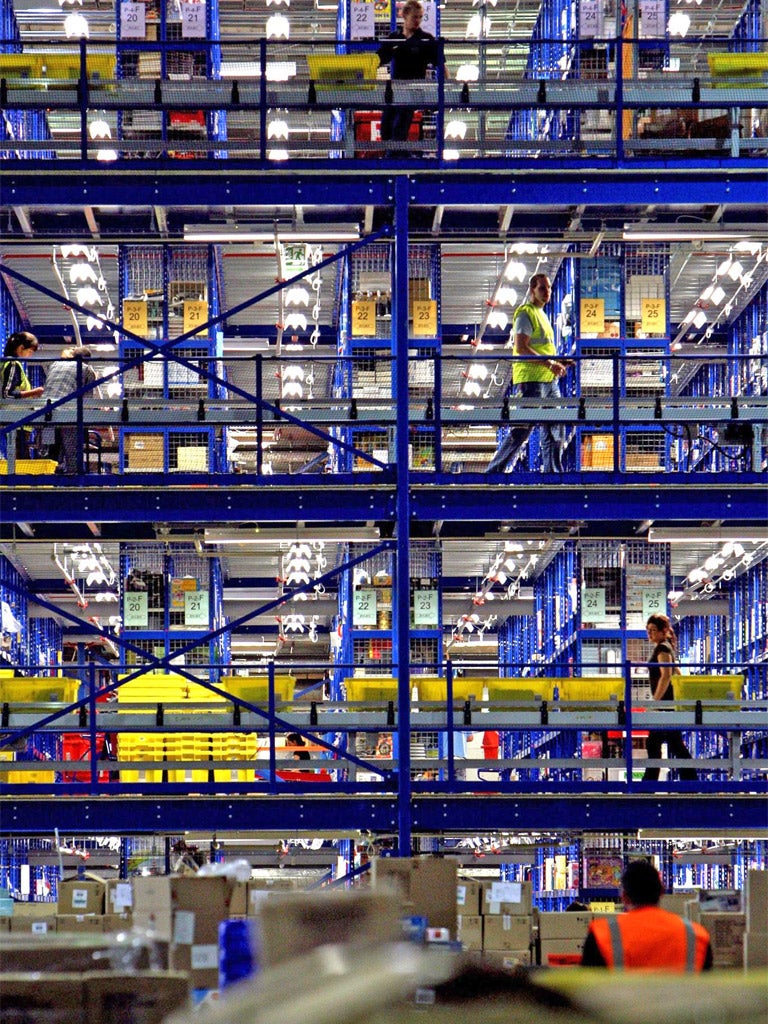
<point x="252" y="537"/>
<point x="716" y="534"/>
<point x="266" y="233"/>
<point x="671" y="233"/>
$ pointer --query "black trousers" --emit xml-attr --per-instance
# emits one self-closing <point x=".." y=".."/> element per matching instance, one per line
<point x="675" y="747"/>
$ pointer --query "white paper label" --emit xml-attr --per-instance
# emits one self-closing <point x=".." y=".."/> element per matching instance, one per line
<point x="506" y="922"/>
<point x="184" y="928"/>
<point x="133" y="21"/>
<point x="122" y="896"/>
<point x="652" y="20"/>
<point x="590" y="18"/>
<point x="203" y="958"/>
<point x="593" y="604"/>
<point x="461" y="895"/>
<point x="79" y="899"/>
<point x="506" y="892"/>
<point x="193" y="21"/>
<point x="425" y="608"/>
<point x="654" y="602"/>
<point x="361" y="20"/>
<point x="39" y="927"/>
<point x="429" y="21"/>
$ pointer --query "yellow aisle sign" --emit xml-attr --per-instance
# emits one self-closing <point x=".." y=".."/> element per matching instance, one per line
<point x="653" y="316"/>
<point x="135" y="316"/>
<point x="592" y="316"/>
<point x="364" y="318"/>
<point x="424" y="313"/>
<point x="195" y="314"/>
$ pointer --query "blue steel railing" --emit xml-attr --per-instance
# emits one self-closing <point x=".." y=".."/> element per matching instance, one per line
<point x="633" y="412"/>
<point x="538" y="731"/>
<point x="700" y="102"/>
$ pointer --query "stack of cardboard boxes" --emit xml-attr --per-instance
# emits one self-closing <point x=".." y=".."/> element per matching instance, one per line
<point x="497" y="918"/>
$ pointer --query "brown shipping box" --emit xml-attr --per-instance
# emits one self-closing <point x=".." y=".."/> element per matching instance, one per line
<point x="469" y="931"/>
<point x="726" y="933"/>
<point x="158" y="900"/>
<point x="425" y="886"/>
<point x="507" y="898"/>
<point x="33" y="925"/>
<point x="507" y="959"/>
<point x="756" y="900"/>
<point x="468" y="893"/>
<point x="291" y="925"/>
<point x="58" y="999"/>
<point x="137" y="998"/>
<point x="118" y="898"/>
<point x="556" y="946"/>
<point x="675" y="902"/>
<point x="261" y="889"/>
<point x="27" y="909"/>
<point x="79" y="923"/>
<point x="81" y="896"/>
<point x="111" y="923"/>
<point x="507" y="931"/>
<point x="555" y="924"/>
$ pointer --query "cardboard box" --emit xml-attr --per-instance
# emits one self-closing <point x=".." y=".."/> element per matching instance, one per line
<point x="238" y="904"/>
<point x="27" y="909"/>
<point x="183" y="909"/>
<point x="33" y="925"/>
<point x="726" y="933"/>
<point x="564" y="925"/>
<point x="111" y="923"/>
<point x="507" y="931"/>
<point x="469" y="930"/>
<point x="119" y="896"/>
<point x="144" y="452"/>
<point x="507" y="898"/>
<point x="292" y="925"/>
<point x="507" y="959"/>
<point x="675" y="902"/>
<point x="59" y="1000"/>
<point x="81" y="896"/>
<point x="755" y="950"/>
<point x="260" y="889"/>
<point x="425" y="886"/>
<point x="468" y="892"/>
<point x="557" y="946"/>
<point x="138" y="998"/>
<point x="79" y="923"/>
<point x="756" y="900"/>
<point x="53" y="953"/>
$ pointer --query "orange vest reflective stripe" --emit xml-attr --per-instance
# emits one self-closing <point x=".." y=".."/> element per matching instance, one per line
<point x="652" y="939"/>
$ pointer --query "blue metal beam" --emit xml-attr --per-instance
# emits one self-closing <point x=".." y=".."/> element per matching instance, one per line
<point x="551" y="184"/>
<point x="316" y="814"/>
<point x="469" y="497"/>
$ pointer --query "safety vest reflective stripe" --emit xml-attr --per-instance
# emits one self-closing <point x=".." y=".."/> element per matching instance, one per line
<point x="690" y="947"/>
<point x="617" y="947"/>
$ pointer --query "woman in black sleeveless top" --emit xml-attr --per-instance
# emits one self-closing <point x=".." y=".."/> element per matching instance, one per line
<point x="662" y="660"/>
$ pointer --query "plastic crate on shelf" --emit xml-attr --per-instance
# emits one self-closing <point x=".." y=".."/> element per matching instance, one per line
<point x="708" y="688"/>
<point x="39" y="690"/>
<point x="513" y="688"/>
<point x="343" y="70"/>
<point x="140" y="747"/>
<point x="30" y="467"/>
<point x="373" y="688"/>
<point x="171" y="689"/>
<point x="604" y="688"/>
<point x="76" y="746"/>
<point x="255" y="689"/>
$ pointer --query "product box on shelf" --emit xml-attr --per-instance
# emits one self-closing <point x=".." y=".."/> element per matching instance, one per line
<point x="555" y="924"/>
<point x="726" y="933"/>
<point x="507" y="931"/>
<point x="507" y="898"/>
<point x="675" y="902"/>
<point x="291" y="925"/>
<point x="79" y="923"/>
<point x="507" y="959"/>
<point x="468" y="892"/>
<point x="57" y="1000"/>
<point x="558" y="946"/>
<point x="755" y="950"/>
<point x="260" y="889"/>
<point x="469" y="930"/>
<point x="139" y="997"/>
<point x="116" y="923"/>
<point x="81" y="896"/>
<point x="118" y="898"/>
<point x="52" y="953"/>
<point x="33" y="925"/>
<point x="423" y="885"/>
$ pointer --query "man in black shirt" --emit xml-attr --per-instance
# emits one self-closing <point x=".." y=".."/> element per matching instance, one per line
<point x="410" y="51"/>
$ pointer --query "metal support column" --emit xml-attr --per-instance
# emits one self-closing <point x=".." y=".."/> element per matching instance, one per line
<point x="402" y="612"/>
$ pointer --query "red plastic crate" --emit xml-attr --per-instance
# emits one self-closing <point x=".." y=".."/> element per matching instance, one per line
<point x="77" y="747"/>
<point x="368" y="129"/>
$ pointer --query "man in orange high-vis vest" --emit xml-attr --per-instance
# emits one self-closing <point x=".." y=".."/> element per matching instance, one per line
<point x="646" y="937"/>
